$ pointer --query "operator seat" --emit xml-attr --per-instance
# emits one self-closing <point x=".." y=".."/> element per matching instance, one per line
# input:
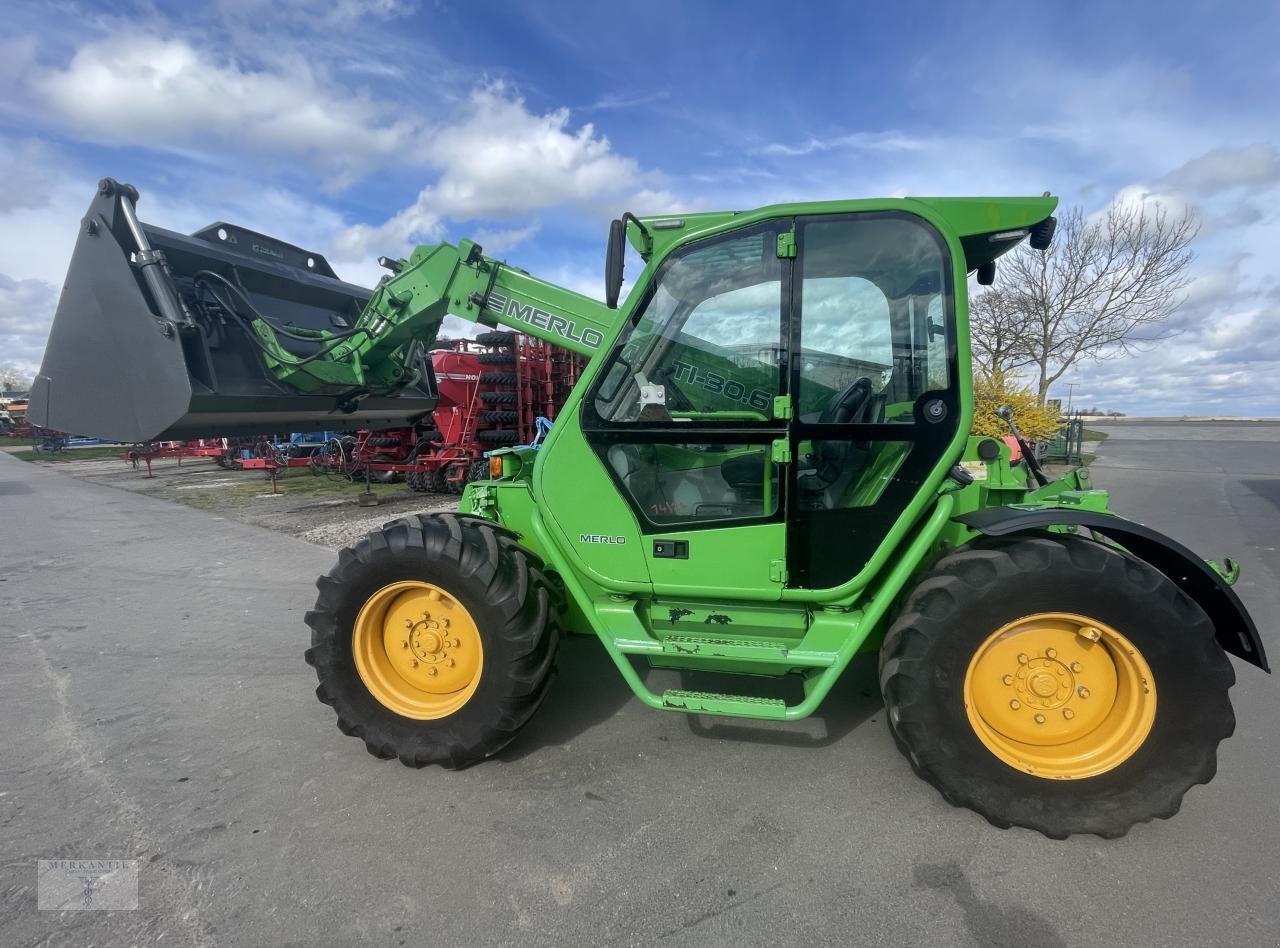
<point x="837" y="463"/>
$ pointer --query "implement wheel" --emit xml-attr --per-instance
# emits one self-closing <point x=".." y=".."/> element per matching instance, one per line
<point x="434" y="639"/>
<point x="1058" y="684"/>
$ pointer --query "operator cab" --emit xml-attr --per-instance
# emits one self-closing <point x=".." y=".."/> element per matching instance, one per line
<point x="789" y="370"/>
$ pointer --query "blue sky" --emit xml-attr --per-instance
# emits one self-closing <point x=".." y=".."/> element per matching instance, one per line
<point x="359" y="127"/>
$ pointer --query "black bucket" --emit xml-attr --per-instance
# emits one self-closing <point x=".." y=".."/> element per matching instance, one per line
<point x="132" y="355"/>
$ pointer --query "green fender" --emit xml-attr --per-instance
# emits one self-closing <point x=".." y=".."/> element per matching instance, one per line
<point x="1235" y="629"/>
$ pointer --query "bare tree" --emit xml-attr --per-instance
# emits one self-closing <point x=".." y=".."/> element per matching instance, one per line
<point x="1103" y="288"/>
<point x="998" y="333"/>
<point x="13" y="378"/>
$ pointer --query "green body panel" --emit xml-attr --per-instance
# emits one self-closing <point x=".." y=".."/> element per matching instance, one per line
<point x="730" y="609"/>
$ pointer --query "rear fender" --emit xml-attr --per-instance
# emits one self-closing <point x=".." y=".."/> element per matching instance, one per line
<point x="1235" y="629"/>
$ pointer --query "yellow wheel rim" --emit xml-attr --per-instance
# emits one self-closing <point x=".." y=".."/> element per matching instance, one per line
<point x="417" y="650"/>
<point x="1060" y="696"/>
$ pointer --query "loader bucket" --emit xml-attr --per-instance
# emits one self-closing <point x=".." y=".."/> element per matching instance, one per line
<point x="133" y="357"/>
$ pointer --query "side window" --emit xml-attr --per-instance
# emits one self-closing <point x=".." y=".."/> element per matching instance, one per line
<point x="873" y="340"/>
<point x="704" y="350"/>
<point x="706" y="345"/>
<point x="846" y="336"/>
<point x="873" y="336"/>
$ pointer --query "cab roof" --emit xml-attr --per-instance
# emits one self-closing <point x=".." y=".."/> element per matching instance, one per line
<point x="985" y="226"/>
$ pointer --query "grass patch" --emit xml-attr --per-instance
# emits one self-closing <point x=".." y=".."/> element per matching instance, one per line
<point x="72" y="454"/>
<point x="1092" y="435"/>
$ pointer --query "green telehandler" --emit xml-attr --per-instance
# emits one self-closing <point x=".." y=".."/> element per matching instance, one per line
<point x="766" y="469"/>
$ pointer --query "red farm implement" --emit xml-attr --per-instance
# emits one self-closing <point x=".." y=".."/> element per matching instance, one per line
<point x="492" y="390"/>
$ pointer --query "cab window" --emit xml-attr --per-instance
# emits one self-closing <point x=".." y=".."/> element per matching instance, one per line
<point x="706" y="345"/>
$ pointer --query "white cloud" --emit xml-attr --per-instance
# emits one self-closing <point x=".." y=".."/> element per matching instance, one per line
<point x="499" y="241"/>
<point x="888" y="141"/>
<point x="1252" y="168"/>
<point x="165" y="93"/>
<point x="26" y="311"/>
<point x="499" y="160"/>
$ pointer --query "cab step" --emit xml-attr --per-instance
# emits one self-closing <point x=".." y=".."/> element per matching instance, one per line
<point x="771" y="651"/>
<point x="741" y="706"/>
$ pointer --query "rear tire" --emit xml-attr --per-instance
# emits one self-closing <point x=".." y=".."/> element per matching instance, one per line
<point x="501" y="586"/>
<point x="947" y="622"/>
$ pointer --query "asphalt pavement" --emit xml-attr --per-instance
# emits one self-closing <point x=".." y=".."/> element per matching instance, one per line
<point x="156" y="706"/>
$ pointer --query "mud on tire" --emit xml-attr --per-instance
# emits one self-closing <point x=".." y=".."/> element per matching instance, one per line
<point x="971" y="593"/>
<point x="502" y="585"/>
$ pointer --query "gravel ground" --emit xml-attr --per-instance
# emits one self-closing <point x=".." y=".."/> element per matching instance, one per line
<point x="320" y="510"/>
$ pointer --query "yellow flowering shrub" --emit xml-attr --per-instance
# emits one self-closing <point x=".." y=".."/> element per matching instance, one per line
<point x="991" y="390"/>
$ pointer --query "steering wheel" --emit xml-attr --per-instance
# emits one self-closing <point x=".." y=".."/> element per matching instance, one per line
<point x="849" y="404"/>
<point x="830" y="458"/>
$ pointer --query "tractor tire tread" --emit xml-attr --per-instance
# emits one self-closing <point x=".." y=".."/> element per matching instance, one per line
<point x="503" y="581"/>
<point x="977" y="589"/>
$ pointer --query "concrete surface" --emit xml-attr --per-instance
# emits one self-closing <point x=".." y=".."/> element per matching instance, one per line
<point x="156" y="706"/>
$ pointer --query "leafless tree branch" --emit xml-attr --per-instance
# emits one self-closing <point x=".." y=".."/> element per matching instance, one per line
<point x="1103" y="289"/>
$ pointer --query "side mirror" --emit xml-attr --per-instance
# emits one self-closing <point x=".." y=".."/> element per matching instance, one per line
<point x="614" y="259"/>
<point x="987" y="273"/>
<point x="1042" y="234"/>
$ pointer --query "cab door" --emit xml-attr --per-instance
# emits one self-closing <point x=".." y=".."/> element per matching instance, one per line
<point x="687" y="418"/>
<point x="875" y="383"/>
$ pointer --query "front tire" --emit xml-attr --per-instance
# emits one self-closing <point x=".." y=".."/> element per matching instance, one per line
<point x="445" y="593"/>
<point x="1058" y="684"/>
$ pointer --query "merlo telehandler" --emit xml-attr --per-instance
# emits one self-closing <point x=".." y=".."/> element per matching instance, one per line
<point x="766" y="469"/>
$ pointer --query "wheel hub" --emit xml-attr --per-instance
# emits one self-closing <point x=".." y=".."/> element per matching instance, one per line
<point x="417" y="650"/>
<point x="1059" y="695"/>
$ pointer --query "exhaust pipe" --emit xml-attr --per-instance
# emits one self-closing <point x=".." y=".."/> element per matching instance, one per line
<point x="138" y="351"/>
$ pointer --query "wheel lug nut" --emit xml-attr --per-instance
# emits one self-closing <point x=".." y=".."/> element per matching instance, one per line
<point x="1076" y="666"/>
<point x="450" y="662"/>
<point x="432" y="671"/>
<point x="1039" y="719"/>
<point x="1022" y="658"/>
<point x="1068" y="713"/>
<point x="1015" y="704"/>
<point x="1082" y="691"/>
<point x="404" y="644"/>
<point x="1051" y="653"/>
<point x="413" y="663"/>
<point x="1007" y="679"/>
